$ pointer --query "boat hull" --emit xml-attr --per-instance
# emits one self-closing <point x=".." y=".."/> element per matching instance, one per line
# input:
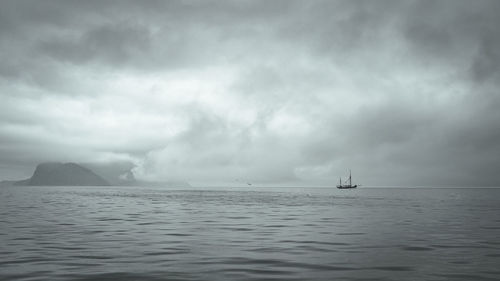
<point x="346" y="186"/>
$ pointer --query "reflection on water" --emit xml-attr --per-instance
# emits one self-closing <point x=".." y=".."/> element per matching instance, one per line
<point x="129" y="233"/>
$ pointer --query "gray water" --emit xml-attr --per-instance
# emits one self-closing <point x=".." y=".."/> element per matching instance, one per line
<point x="132" y="233"/>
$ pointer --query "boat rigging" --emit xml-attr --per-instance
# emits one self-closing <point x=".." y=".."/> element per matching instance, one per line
<point x="347" y="184"/>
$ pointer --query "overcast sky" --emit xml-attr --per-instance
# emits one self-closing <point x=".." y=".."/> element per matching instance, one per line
<point x="401" y="92"/>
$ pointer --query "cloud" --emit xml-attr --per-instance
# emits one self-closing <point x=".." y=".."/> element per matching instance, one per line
<point x="402" y="92"/>
<point x="110" y="44"/>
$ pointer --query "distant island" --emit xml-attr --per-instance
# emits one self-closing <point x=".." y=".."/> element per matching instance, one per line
<point x="72" y="174"/>
<point x="61" y="174"/>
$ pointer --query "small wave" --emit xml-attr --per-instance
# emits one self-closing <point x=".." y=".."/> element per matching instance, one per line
<point x="179" y="234"/>
<point x="240" y="261"/>
<point x="93" y="257"/>
<point x="468" y="277"/>
<point x="417" y="248"/>
<point x="125" y="276"/>
<point x="393" y="268"/>
<point x="314" y="242"/>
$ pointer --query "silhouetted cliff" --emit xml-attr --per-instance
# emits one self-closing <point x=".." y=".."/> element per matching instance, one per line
<point x="71" y="174"/>
<point x="63" y="174"/>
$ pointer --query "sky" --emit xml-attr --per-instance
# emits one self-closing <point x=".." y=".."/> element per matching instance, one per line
<point x="404" y="93"/>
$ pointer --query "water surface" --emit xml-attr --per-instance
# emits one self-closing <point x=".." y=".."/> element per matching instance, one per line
<point x="133" y="233"/>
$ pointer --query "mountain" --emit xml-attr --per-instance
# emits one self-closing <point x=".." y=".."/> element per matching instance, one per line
<point x="63" y="174"/>
<point x="71" y="174"/>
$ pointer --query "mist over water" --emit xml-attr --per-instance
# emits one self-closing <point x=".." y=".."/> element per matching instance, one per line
<point x="131" y="233"/>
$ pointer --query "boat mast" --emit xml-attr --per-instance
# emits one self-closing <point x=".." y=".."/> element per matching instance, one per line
<point x="350" y="180"/>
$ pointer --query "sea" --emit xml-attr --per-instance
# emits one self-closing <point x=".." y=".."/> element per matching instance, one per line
<point x="249" y="233"/>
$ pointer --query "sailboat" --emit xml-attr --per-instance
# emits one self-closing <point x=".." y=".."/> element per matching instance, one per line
<point x="347" y="184"/>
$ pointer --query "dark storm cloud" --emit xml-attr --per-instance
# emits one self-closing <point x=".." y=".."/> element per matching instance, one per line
<point x="404" y="92"/>
<point x="40" y="39"/>
<point x="487" y="62"/>
<point x="463" y="35"/>
<point x="111" y="44"/>
<point x="445" y="29"/>
<point x="329" y="27"/>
